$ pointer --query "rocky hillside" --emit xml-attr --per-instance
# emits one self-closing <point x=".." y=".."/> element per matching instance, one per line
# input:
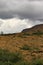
<point x="30" y="46"/>
<point x="34" y="29"/>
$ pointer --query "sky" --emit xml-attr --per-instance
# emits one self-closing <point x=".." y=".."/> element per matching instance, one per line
<point x="16" y="15"/>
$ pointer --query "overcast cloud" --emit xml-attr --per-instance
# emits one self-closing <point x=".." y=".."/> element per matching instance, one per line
<point x="22" y="13"/>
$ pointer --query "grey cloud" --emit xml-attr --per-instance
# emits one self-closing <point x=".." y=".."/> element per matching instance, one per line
<point x="29" y="9"/>
<point x="6" y="15"/>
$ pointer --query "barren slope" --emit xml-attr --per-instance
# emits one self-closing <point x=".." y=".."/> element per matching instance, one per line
<point x="29" y="45"/>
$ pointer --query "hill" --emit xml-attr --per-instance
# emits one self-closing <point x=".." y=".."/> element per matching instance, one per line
<point x="34" y="29"/>
<point x="28" y="43"/>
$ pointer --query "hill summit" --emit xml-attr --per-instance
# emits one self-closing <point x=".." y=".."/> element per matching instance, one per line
<point x="34" y="29"/>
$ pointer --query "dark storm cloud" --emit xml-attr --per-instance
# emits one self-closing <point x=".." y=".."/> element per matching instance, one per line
<point x="26" y="9"/>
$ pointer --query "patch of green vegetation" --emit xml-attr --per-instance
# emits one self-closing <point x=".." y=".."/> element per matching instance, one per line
<point x="37" y="62"/>
<point x="26" y="34"/>
<point x="26" y="47"/>
<point x="22" y="63"/>
<point x="33" y="62"/>
<point x="38" y="33"/>
<point x="8" y="58"/>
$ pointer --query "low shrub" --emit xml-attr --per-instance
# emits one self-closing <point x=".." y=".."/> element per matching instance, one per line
<point x="26" y="47"/>
<point x="26" y="34"/>
<point x="37" y="62"/>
